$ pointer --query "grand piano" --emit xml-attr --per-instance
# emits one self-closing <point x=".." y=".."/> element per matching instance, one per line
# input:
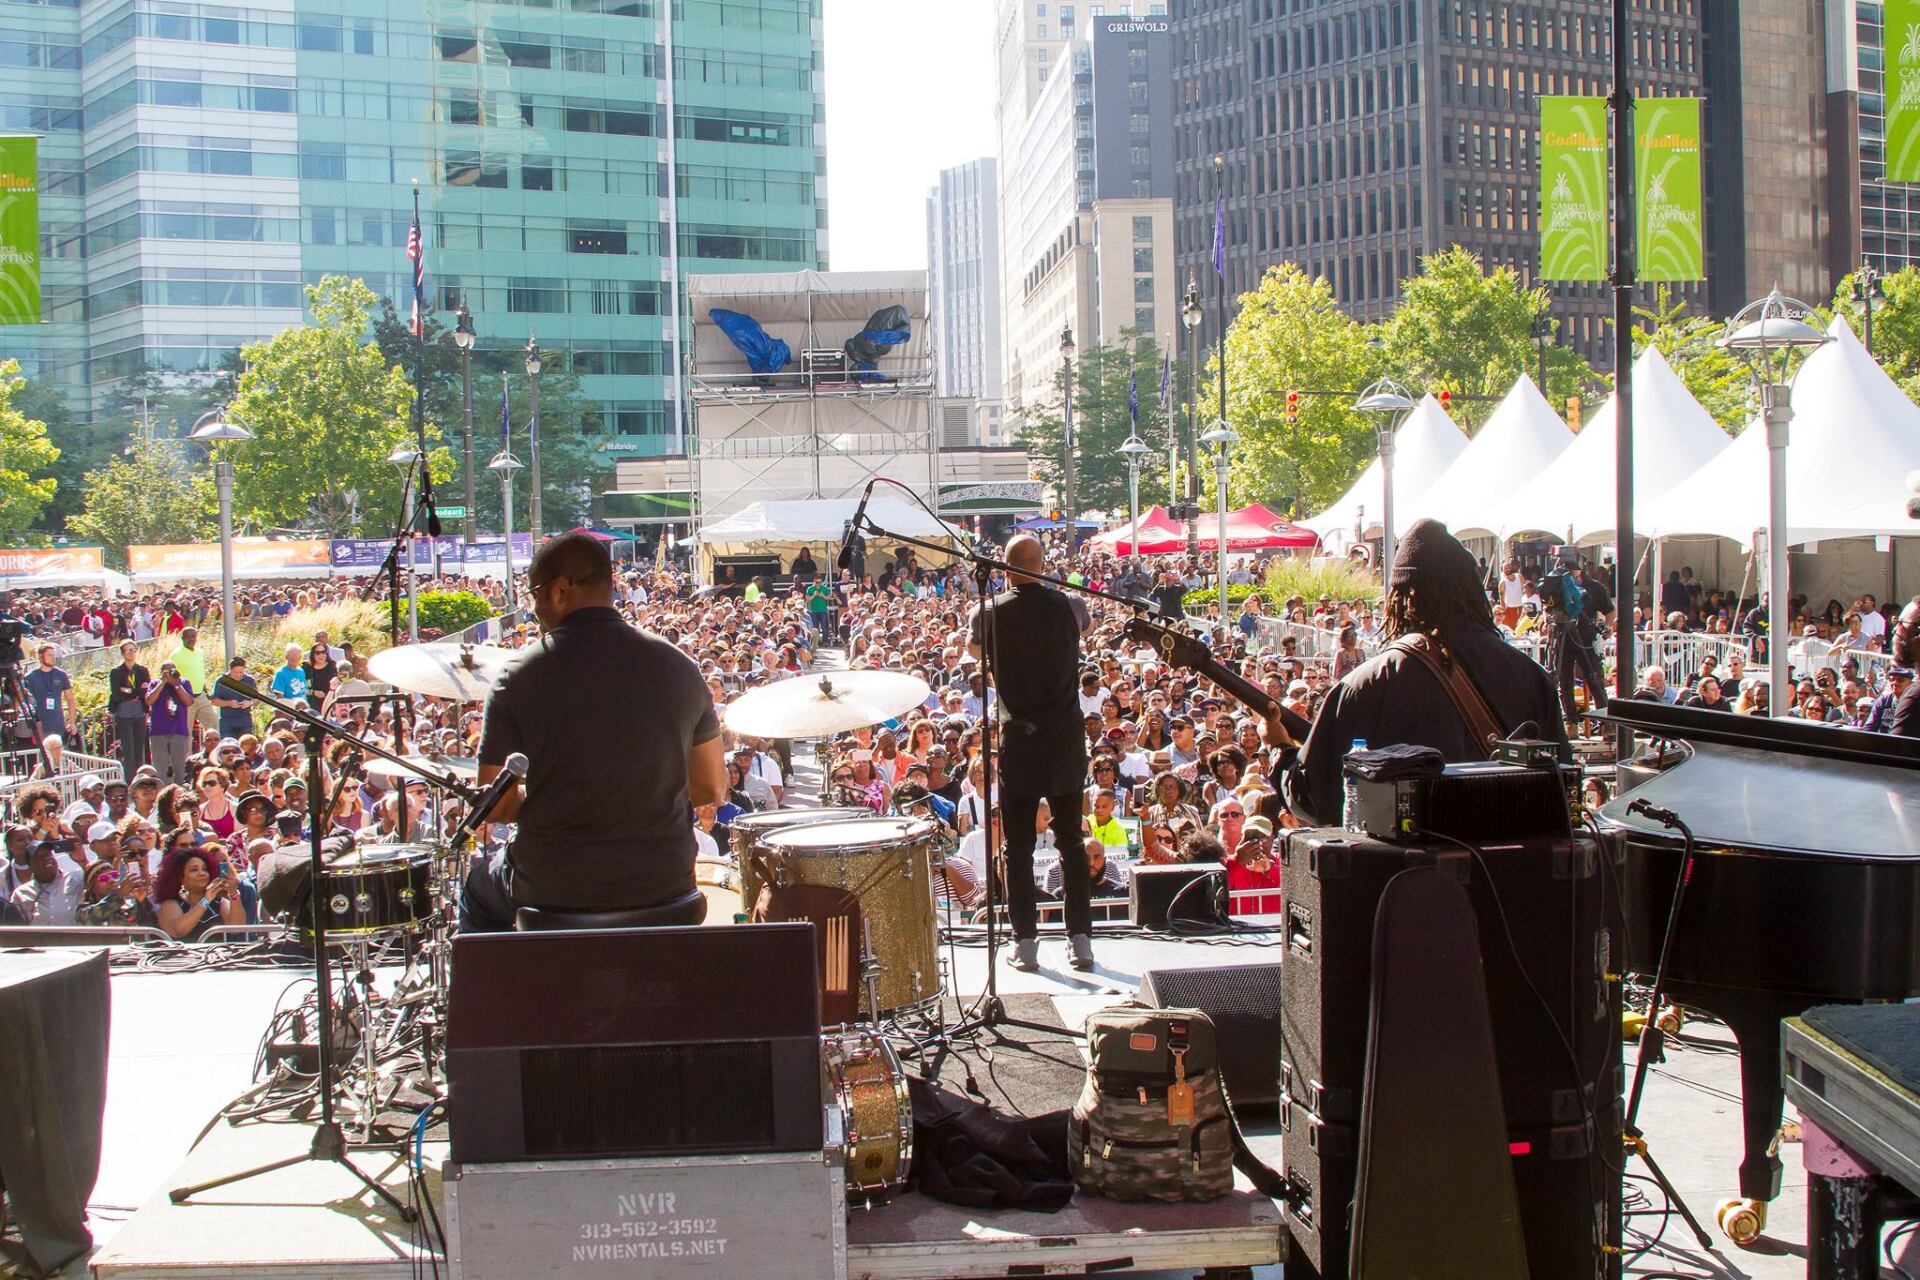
<point x="1805" y="889"/>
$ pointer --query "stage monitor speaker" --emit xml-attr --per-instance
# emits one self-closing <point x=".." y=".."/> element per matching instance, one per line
<point x="1563" y="1119"/>
<point x="617" y="1043"/>
<point x="1244" y="1002"/>
<point x="1152" y="889"/>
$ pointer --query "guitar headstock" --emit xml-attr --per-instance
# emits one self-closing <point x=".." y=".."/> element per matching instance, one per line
<point x="1176" y="646"/>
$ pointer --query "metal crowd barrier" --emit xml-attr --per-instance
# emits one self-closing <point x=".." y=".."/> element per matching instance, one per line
<point x="16" y="765"/>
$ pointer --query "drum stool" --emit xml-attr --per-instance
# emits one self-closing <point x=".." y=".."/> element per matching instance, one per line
<point x="688" y="908"/>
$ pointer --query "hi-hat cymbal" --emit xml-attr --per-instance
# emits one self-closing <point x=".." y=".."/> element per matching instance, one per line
<point x="430" y="767"/>
<point x="814" y="706"/>
<point x="460" y="671"/>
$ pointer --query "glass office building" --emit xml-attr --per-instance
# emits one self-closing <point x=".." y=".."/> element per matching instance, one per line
<point x="201" y="162"/>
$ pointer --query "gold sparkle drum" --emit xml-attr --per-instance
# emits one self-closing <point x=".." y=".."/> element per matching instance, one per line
<point x="871" y="1091"/>
<point x="747" y="832"/>
<point x="887" y="863"/>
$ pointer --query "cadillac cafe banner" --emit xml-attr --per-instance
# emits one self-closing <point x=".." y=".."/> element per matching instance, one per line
<point x="1574" y="196"/>
<point x="19" y="231"/>
<point x="1902" y="89"/>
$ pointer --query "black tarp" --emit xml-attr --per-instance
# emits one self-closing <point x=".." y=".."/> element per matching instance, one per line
<point x="54" y="1015"/>
<point x="887" y="327"/>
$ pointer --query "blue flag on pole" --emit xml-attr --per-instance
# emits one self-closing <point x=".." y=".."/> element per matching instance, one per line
<point x="1166" y="378"/>
<point x="505" y="444"/>
<point x="1133" y="399"/>
<point x="1220" y="233"/>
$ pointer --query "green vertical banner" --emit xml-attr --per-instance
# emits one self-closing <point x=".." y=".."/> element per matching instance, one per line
<point x="1666" y="170"/>
<point x="1573" y="188"/>
<point x="19" y="231"/>
<point x="1902" y="53"/>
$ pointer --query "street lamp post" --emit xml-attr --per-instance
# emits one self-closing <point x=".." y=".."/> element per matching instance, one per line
<point x="404" y="458"/>
<point x="1542" y="332"/>
<point x="1190" y="316"/>
<point x="1066" y="364"/>
<point x="504" y="464"/>
<point x="463" y="338"/>
<point x="212" y="429"/>
<point x="1388" y="404"/>
<point x="1220" y="438"/>
<point x="1136" y="451"/>
<point x="1773" y="338"/>
<point x="1867" y="283"/>
<point x="533" y="438"/>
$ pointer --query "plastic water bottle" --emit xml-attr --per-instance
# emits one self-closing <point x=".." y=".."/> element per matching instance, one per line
<point x="1350" y="813"/>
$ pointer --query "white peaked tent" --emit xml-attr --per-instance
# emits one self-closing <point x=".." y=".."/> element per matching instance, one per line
<point x="1425" y="445"/>
<point x="1510" y="451"/>
<point x="1673" y="436"/>
<point x="1854" y="438"/>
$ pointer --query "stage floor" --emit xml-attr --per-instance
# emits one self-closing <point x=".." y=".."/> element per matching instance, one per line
<point x="183" y="1045"/>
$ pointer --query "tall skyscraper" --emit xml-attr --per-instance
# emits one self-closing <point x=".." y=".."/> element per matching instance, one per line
<point x="1089" y="226"/>
<point x="202" y="162"/>
<point x="963" y="275"/>
<point x="1358" y="135"/>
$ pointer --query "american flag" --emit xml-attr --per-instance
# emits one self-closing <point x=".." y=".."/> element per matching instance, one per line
<point x="417" y="255"/>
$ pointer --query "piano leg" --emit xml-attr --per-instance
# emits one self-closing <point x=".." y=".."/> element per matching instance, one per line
<point x="1762" y="1098"/>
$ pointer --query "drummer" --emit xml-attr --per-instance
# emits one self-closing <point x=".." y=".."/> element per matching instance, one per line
<point x="621" y="741"/>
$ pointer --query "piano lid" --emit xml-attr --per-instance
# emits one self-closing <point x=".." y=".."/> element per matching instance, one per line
<point x="1779" y="786"/>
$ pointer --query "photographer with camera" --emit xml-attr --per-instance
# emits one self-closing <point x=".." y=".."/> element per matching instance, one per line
<point x="1576" y="606"/>
<point x="169" y="723"/>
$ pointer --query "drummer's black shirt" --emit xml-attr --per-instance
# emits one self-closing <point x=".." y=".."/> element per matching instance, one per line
<point x="606" y="715"/>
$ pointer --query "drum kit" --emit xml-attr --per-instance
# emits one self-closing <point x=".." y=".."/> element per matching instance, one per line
<point x="880" y="869"/>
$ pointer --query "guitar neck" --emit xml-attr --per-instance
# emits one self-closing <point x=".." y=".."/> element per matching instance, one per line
<point x="1252" y="696"/>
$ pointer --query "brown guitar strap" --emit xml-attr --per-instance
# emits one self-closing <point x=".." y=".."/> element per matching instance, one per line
<point x="1481" y="723"/>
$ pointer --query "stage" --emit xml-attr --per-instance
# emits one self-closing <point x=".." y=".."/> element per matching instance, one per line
<point x="183" y="1044"/>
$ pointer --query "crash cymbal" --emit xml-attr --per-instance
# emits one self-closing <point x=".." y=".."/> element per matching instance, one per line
<point x="813" y="706"/>
<point x="430" y="767"/>
<point x="463" y="672"/>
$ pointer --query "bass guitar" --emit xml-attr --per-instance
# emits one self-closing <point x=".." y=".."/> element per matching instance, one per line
<point x="1181" y="648"/>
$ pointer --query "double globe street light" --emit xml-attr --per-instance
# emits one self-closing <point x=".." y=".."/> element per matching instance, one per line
<point x="1388" y="404"/>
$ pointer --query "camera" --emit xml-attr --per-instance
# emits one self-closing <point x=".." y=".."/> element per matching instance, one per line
<point x="12" y="632"/>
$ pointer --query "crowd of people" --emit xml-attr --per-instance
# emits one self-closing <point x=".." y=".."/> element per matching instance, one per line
<point x="1176" y="771"/>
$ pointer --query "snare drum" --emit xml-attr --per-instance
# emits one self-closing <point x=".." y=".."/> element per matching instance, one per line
<point x="373" y="889"/>
<point x="719" y="883"/>
<point x="887" y="864"/>
<point x="748" y="833"/>
<point x="871" y="1092"/>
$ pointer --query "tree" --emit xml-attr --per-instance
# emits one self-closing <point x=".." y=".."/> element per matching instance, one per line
<point x="153" y="492"/>
<point x="1102" y="422"/>
<point x="1292" y="335"/>
<point x="326" y="409"/>
<point x="1691" y="344"/>
<point x="1471" y="332"/>
<point x="569" y="460"/>
<point x="1896" y="324"/>
<point x="26" y="458"/>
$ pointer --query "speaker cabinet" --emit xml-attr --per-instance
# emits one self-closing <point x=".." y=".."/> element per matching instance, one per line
<point x="620" y="1043"/>
<point x="1244" y="1002"/>
<point x="1153" y="889"/>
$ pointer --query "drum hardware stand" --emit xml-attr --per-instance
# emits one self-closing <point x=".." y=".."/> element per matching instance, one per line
<point x="1652" y="1038"/>
<point x="329" y="1140"/>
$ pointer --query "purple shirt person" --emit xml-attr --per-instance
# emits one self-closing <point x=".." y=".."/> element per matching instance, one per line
<point x="170" y="723"/>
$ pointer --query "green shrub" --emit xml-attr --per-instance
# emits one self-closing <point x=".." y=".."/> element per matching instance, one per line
<point x="1311" y="578"/>
<point x="446" y="612"/>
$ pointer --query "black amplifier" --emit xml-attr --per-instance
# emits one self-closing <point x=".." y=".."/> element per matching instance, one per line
<point x="1478" y="802"/>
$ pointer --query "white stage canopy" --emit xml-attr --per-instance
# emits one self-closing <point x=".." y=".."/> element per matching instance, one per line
<point x="819" y="522"/>
<point x="1510" y="451"/>
<point x="1673" y="436"/>
<point x="1425" y="445"/>
<point x="1854" y="438"/>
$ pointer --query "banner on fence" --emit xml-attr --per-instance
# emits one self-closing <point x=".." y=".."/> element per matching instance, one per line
<point x="368" y="554"/>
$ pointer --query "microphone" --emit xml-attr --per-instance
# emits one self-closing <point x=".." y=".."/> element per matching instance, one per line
<point x="512" y="769"/>
<point x="1665" y="817"/>
<point x="853" y="529"/>
<point x="433" y="518"/>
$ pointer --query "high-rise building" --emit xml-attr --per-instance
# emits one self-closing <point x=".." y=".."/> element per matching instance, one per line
<point x="202" y="162"/>
<point x="1090" y="220"/>
<point x="1872" y="220"/>
<point x="1358" y="135"/>
<point x="963" y="275"/>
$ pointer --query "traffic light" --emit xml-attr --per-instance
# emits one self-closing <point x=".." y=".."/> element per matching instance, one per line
<point x="1446" y="401"/>
<point x="1573" y="412"/>
<point x="1293" y="407"/>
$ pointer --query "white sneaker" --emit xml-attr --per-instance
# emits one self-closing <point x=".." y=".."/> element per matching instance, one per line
<point x="1080" y="948"/>
<point x="1026" y="954"/>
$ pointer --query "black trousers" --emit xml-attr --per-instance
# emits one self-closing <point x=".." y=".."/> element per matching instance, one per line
<point x="1018" y="814"/>
<point x="1570" y="652"/>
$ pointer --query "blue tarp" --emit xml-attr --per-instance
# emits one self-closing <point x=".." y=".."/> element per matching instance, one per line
<point x="886" y="327"/>
<point x="764" y="354"/>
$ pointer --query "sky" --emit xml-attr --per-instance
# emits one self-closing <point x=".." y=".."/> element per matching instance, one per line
<point x="909" y="93"/>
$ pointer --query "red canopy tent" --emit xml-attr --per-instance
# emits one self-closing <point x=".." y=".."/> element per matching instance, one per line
<point x="1251" y="528"/>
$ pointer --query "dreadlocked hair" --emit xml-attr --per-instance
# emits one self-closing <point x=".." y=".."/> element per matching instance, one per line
<point x="1437" y="607"/>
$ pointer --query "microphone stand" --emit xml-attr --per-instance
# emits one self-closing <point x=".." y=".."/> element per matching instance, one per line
<point x="992" y="1009"/>
<point x="329" y="1139"/>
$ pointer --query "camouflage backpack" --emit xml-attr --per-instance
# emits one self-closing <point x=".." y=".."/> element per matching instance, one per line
<point x="1152" y="1121"/>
